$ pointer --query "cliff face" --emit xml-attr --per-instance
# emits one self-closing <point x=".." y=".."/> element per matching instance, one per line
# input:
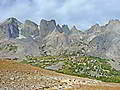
<point x="106" y="43"/>
<point x="48" y="38"/>
<point x="29" y="29"/>
<point x="21" y="39"/>
<point x="9" y="28"/>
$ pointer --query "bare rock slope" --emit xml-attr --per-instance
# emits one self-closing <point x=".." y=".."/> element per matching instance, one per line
<point x="16" y="76"/>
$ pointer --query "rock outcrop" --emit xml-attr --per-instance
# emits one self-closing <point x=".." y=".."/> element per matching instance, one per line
<point x="65" y="29"/>
<point x="10" y="28"/>
<point x="29" y="28"/>
<point x="46" y="27"/>
<point x="106" y="44"/>
<point x="74" y="28"/>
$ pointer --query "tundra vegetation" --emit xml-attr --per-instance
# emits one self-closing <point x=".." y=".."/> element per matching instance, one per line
<point x="83" y="66"/>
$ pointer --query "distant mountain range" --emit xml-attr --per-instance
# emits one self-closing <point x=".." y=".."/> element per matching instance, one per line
<point x="18" y="40"/>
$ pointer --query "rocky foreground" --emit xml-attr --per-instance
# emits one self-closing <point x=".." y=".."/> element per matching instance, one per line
<point x="16" y="76"/>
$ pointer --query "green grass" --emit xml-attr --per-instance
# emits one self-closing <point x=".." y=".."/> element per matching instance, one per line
<point x="84" y="66"/>
<point x="9" y="47"/>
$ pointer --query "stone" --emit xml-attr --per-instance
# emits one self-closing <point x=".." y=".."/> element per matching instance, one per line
<point x="10" y="28"/>
<point x="46" y="27"/>
<point x="29" y="29"/>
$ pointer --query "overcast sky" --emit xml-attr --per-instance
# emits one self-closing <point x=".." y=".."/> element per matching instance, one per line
<point x="82" y="13"/>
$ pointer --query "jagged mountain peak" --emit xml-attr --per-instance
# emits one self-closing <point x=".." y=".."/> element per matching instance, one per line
<point x="43" y="21"/>
<point x="112" y="25"/>
<point x="29" y="29"/>
<point x="52" y="21"/>
<point x="11" y="20"/>
<point x="94" y="29"/>
<point x="10" y="28"/>
<point x="48" y="22"/>
<point x="29" y="22"/>
<point x="114" y="21"/>
<point x="74" y="28"/>
<point x="58" y="27"/>
<point x="47" y="27"/>
<point x="95" y="26"/>
<point x="65" y="26"/>
<point x="65" y="29"/>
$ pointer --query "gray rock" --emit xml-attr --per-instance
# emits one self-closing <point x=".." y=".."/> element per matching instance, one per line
<point x="58" y="28"/>
<point x="46" y="27"/>
<point x="106" y="44"/>
<point x="65" y="29"/>
<point x="56" y="66"/>
<point x="74" y="28"/>
<point x="29" y="28"/>
<point x="10" y="28"/>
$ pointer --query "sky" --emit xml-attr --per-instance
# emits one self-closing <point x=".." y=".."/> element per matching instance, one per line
<point x="82" y="13"/>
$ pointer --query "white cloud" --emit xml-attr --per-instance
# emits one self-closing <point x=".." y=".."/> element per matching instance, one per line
<point x="83" y="13"/>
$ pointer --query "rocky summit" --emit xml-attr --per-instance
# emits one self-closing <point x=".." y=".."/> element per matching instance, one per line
<point x="18" y="40"/>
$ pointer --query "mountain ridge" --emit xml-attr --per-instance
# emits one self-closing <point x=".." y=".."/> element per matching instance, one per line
<point x="50" y="38"/>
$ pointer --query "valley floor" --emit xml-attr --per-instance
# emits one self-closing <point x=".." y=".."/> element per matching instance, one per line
<point x="17" y="76"/>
